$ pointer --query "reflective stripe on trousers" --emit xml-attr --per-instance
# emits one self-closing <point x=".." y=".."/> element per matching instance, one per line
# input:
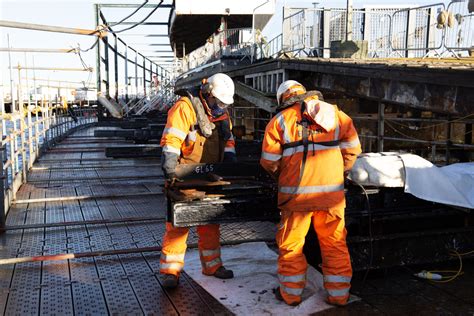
<point x="337" y="279"/>
<point x="208" y="253"/>
<point x="336" y="293"/>
<point x="176" y="266"/>
<point x="212" y="263"/>
<point x="172" y="257"/>
<point x="292" y="291"/>
<point x="292" y="278"/>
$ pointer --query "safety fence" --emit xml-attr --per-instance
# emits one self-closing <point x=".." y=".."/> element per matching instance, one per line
<point x="430" y="30"/>
<point x="230" y="42"/>
<point x="460" y="35"/>
<point x="434" y="30"/>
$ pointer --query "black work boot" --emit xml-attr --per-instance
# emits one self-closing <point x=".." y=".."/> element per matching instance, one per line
<point x="170" y="281"/>
<point x="278" y="294"/>
<point x="223" y="273"/>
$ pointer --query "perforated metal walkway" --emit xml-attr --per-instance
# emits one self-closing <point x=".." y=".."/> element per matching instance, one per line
<point x="74" y="182"/>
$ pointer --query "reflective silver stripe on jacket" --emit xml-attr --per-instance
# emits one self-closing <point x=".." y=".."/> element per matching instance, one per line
<point x="281" y="122"/>
<point x="271" y="157"/>
<point x="171" y="149"/>
<point x="291" y="291"/>
<point x="175" y="132"/>
<point x="229" y="150"/>
<point x="172" y="266"/>
<point x="292" y="278"/>
<point x="207" y="253"/>
<point x="192" y="136"/>
<point x="171" y="258"/>
<point x="311" y="189"/>
<point x="213" y="263"/>
<point x="343" y="292"/>
<point x="311" y="147"/>
<point x="350" y="144"/>
<point x="337" y="278"/>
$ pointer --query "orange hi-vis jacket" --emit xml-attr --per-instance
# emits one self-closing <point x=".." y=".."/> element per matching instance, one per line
<point x="181" y="136"/>
<point x="332" y="148"/>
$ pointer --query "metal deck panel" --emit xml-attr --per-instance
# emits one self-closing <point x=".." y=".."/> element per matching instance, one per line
<point x="119" y="284"/>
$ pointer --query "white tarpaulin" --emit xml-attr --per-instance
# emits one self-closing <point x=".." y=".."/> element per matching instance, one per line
<point x="379" y="169"/>
<point x="255" y="276"/>
<point x="452" y="185"/>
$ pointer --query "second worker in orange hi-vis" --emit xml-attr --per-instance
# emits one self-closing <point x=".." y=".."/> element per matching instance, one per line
<point x="198" y="130"/>
<point x="309" y="146"/>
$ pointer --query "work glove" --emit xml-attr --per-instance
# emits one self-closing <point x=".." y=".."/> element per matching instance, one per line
<point x="171" y="179"/>
<point x="169" y="161"/>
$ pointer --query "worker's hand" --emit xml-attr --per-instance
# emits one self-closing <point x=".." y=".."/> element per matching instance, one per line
<point x="171" y="180"/>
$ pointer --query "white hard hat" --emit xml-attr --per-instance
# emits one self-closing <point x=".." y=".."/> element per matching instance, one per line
<point x="222" y="87"/>
<point x="288" y="89"/>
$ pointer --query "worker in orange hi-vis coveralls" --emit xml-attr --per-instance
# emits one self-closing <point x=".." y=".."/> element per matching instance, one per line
<point x="309" y="147"/>
<point x="198" y="130"/>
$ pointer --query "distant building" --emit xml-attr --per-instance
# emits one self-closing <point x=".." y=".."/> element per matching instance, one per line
<point x="84" y="94"/>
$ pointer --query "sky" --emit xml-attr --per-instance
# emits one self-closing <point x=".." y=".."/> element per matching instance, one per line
<point x="80" y="14"/>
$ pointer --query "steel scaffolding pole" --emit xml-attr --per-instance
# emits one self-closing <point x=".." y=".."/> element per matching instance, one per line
<point x="50" y="28"/>
<point x="38" y="50"/>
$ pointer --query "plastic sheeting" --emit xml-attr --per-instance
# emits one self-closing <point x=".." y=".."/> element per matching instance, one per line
<point x="451" y="185"/>
<point x="379" y="169"/>
<point x="250" y="292"/>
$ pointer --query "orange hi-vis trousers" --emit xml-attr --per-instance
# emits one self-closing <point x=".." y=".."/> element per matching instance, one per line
<point x="174" y="248"/>
<point x="292" y="265"/>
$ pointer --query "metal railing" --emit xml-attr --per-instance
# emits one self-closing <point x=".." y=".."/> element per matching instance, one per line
<point x="388" y="32"/>
<point x="230" y="42"/>
<point x="272" y="48"/>
<point x="27" y="133"/>
<point x="127" y="76"/>
<point x="461" y="35"/>
<point x="414" y="31"/>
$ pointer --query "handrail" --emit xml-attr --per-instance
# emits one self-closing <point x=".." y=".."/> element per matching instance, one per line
<point x="27" y="138"/>
<point x="310" y="32"/>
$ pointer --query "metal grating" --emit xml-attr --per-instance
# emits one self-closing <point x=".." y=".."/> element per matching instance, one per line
<point x="120" y="284"/>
